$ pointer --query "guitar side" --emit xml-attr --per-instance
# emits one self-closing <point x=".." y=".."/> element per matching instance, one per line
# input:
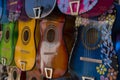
<point x="25" y="51"/>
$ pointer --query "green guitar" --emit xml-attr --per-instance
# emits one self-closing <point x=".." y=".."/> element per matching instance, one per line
<point x="7" y="45"/>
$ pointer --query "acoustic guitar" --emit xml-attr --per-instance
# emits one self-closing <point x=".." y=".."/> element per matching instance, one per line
<point x="7" y="44"/>
<point x="35" y="73"/>
<point x="52" y="50"/>
<point x="4" y="18"/>
<point x="94" y="56"/>
<point x="25" y="51"/>
<point x="14" y="9"/>
<point x="39" y="8"/>
<point x="75" y="7"/>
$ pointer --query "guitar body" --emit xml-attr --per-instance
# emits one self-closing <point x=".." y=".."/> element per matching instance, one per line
<point x="7" y="43"/>
<point x="53" y="54"/>
<point x="4" y="18"/>
<point x="93" y="56"/>
<point x="75" y="7"/>
<point x="14" y="9"/>
<point x="1" y="8"/>
<point x="39" y="8"/>
<point x="25" y="51"/>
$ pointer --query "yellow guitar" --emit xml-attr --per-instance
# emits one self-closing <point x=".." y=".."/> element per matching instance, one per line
<point x="25" y="51"/>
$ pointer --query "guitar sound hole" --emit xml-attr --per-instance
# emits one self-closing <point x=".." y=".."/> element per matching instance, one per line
<point x="26" y="35"/>
<point x="92" y="36"/>
<point x="7" y="34"/>
<point x="15" y="75"/>
<point x="33" y="78"/>
<point x="51" y="35"/>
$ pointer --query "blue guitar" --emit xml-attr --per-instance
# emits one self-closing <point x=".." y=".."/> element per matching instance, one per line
<point x="4" y="18"/>
<point x="94" y="56"/>
<point x="1" y="8"/>
<point x="39" y="8"/>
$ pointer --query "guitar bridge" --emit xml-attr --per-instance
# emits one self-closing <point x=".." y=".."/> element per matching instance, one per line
<point x="74" y="7"/>
<point x="23" y="65"/>
<point x="37" y="12"/>
<point x="48" y="72"/>
<point x="87" y="78"/>
<point x="3" y="61"/>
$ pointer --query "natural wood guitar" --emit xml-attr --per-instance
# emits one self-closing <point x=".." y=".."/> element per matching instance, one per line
<point x="53" y="54"/>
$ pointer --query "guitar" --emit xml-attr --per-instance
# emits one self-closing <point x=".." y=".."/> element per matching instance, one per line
<point x="25" y="51"/>
<point x="1" y="8"/>
<point x="8" y="43"/>
<point x="14" y="9"/>
<point x="35" y="74"/>
<point x="93" y="56"/>
<point x="53" y="54"/>
<point x="39" y="8"/>
<point x="75" y="7"/>
<point x="4" y="18"/>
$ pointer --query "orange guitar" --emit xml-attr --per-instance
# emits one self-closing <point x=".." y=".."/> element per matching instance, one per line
<point x="53" y="54"/>
<point x="25" y="51"/>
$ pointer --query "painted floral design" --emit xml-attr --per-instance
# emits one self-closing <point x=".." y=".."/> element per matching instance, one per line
<point x="78" y="21"/>
<point x="107" y="61"/>
<point x="112" y="74"/>
<point x="110" y="19"/>
<point x="101" y="69"/>
<point x="102" y="18"/>
<point x="85" y="21"/>
<point x="63" y="5"/>
<point x="103" y="78"/>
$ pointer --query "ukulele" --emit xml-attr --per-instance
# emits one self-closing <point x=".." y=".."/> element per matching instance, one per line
<point x="35" y="74"/>
<point x="14" y="9"/>
<point x="25" y="51"/>
<point x="8" y="43"/>
<point x="52" y="50"/>
<point x="4" y="18"/>
<point x="75" y="7"/>
<point x="39" y="8"/>
<point x="94" y="56"/>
